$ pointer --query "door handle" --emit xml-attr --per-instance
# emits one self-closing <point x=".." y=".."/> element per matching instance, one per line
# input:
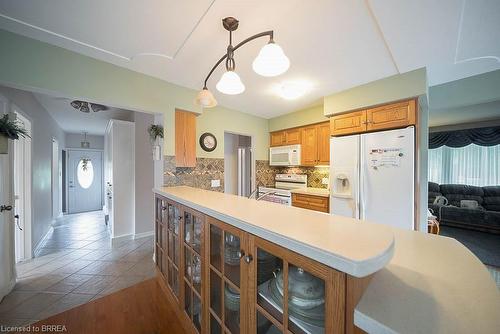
<point x="248" y="258"/>
<point x="16" y="217"/>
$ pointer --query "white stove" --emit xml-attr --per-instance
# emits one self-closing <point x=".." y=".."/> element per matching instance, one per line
<point x="283" y="183"/>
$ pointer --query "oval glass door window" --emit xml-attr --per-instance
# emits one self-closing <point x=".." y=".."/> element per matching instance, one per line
<point x="85" y="173"/>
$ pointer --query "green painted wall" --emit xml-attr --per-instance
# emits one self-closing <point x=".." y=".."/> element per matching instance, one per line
<point x="396" y="87"/>
<point x="298" y="118"/>
<point x="33" y="65"/>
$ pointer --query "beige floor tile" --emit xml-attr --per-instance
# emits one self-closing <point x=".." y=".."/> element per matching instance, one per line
<point x="95" y="285"/>
<point x="67" y="302"/>
<point x="13" y="299"/>
<point x="33" y="306"/>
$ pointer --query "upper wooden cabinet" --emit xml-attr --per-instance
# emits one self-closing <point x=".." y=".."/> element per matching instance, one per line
<point x="309" y="151"/>
<point x="185" y="139"/>
<point x="315" y="141"/>
<point x="278" y="138"/>
<point x="286" y="137"/>
<point x="389" y="116"/>
<point x="292" y="136"/>
<point x="353" y="122"/>
<point x="323" y="143"/>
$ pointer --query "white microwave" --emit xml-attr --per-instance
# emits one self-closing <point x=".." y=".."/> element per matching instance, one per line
<point x="284" y="155"/>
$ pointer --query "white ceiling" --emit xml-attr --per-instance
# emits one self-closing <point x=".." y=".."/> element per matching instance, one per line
<point x="334" y="44"/>
<point x="71" y="120"/>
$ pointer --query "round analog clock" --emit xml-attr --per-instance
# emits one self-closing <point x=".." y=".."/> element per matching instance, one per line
<point x="208" y="142"/>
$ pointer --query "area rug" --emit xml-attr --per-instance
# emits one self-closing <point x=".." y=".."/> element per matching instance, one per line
<point x="485" y="246"/>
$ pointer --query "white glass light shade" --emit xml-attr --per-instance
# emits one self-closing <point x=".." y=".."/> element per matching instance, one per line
<point x="271" y="61"/>
<point x="230" y="83"/>
<point x="206" y="99"/>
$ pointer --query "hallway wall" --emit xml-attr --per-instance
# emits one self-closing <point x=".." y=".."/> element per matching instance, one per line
<point x="44" y="129"/>
<point x="73" y="140"/>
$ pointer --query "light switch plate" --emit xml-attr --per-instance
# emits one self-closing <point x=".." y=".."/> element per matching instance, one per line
<point x="325" y="180"/>
<point x="215" y="183"/>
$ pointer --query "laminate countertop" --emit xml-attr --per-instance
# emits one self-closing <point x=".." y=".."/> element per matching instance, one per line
<point x="324" y="238"/>
<point x="433" y="284"/>
<point x="321" y="192"/>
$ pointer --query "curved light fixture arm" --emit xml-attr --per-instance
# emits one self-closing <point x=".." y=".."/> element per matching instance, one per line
<point x="269" y="33"/>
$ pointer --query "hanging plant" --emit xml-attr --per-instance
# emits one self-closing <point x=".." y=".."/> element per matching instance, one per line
<point x="155" y="132"/>
<point x="12" y="129"/>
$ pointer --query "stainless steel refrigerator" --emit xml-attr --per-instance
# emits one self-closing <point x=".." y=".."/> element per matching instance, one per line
<point x="244" y="171"/>
<point x="372" y="177"/>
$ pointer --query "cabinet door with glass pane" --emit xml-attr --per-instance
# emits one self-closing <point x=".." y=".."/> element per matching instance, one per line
<point x="160" y="235"/>
<point x="192" y="255"/>
<point x="293" y="294"/>
<point x="227" y="278"/>
<point x="174" y="219"/>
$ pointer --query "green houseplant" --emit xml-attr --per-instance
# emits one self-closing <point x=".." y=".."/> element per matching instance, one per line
<point x="10" y="129"/>
<point x="155" y="131"/>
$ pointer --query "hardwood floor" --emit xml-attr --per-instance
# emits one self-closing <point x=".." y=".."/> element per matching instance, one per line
<point x="142" y="308"/>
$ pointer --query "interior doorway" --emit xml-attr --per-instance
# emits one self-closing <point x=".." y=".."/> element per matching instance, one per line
<point x="85" y="180"/>
<point x="22" y="190"/>
<point x="239" y="162"/>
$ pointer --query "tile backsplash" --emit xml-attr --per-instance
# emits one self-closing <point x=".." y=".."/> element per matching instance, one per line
<point x="206" y="169"/>
<point x="265" y="174"/>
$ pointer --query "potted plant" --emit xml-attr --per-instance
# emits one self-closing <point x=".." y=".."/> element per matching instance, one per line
<point x="10" y="129"/>
<point x="155" y="132"/>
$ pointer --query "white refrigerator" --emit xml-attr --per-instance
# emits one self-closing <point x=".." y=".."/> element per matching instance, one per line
<point x="372" y="177"/>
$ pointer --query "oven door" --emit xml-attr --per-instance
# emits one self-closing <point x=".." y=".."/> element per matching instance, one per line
<point x="277" y="198"/>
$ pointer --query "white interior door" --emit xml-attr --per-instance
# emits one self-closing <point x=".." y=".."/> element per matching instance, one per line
<point x="84" y="180"/>
<point x="22" y="191"/>
<point x="387" y="177"/>
<point x="7" y="267"/>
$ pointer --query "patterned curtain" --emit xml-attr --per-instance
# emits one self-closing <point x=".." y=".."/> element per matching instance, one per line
<point x="472" y="165"/>
<point x="482" y="136"/>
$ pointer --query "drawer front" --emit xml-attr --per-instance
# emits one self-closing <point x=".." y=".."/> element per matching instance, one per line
<point x="311" y="202"/>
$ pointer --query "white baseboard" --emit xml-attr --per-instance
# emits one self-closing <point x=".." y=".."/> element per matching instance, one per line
<point x="121" y="238"/>
<point x="144" y="234"/>
<point x="40" y="243"/>
<point x="7" y="288"/>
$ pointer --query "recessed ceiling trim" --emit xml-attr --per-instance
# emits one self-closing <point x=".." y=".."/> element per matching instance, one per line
<point x="114" y="54"/>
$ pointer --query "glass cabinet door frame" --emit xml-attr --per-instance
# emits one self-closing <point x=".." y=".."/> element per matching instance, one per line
<point x="244" y="279"/>
<point x="334" y="287"/>
<point x="182" y="265"/>
<point x="169" y="262"/>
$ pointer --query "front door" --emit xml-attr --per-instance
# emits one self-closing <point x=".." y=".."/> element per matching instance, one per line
<point x="84" y="180"/>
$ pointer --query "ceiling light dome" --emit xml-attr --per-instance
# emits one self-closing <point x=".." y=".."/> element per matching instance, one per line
<point x="271" y="61"/>
<point x="230" y="83"/>
<point x="206" y="99"/>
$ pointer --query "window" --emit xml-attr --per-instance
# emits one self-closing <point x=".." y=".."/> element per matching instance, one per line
<point x="85" y="173"/>
<point x="472" y="165"/>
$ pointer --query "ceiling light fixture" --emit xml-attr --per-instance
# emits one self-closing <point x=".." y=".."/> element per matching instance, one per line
<point x="291" y="90"/>
<point x="271" y="61"/>
<point x="84" y="106"/>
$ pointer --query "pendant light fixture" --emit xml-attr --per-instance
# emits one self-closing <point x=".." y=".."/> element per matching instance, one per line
<point x="271" y="61"/>
<point x="85" y="143"/>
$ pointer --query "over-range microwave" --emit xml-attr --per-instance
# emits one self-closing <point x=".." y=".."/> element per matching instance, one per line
<point x="284" y="155"/>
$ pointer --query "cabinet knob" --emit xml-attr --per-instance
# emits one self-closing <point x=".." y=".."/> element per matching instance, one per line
<point x="241" y="253"/>
<point x="164" y="208"/>
<point x="248" y="258"/>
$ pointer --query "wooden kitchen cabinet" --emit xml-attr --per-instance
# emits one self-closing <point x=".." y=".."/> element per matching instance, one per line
<point x="389" y="116"/>
<point x="278" y="138"/>
<point x="222" y="279"/>
<point x="286" y="137"/>
<point x="309" y="148"/>
<point x="316" y="144"/>
<point x="311" y="202"/>
<point x="185" y="139"/>
<point x="350" y="123"/>
<point x="395" y="115"/>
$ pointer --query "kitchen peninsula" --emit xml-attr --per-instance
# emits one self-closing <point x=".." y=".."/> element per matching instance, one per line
<point x="229" y="262"/>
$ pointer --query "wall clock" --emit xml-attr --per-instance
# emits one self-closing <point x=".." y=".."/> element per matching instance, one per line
<point x="208" y="142"/>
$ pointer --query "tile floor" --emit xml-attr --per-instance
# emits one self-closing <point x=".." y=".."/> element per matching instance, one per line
<point x="77" y="264"/>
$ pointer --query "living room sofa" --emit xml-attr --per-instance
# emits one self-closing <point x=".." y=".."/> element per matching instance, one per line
<point x="486" y="217"/>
